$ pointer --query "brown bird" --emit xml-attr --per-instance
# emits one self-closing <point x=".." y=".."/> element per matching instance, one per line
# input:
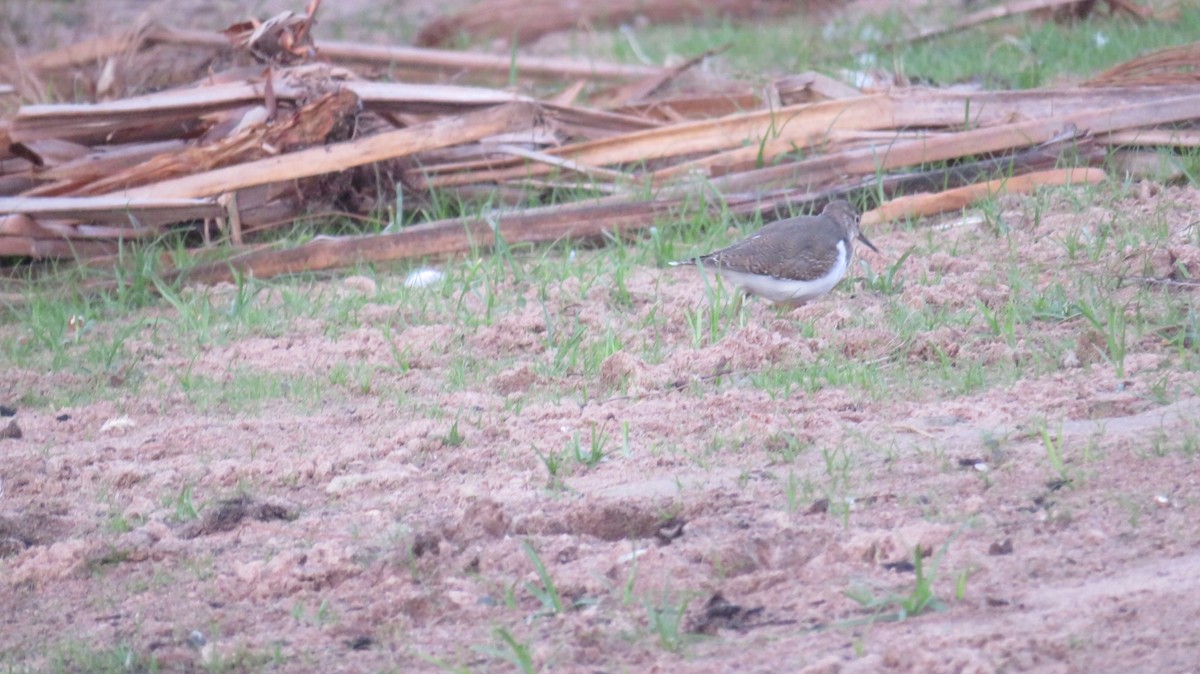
<point x="791" y="261"/>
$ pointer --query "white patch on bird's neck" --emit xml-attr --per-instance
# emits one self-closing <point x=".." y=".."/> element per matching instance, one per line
<point x="791" y="290"/>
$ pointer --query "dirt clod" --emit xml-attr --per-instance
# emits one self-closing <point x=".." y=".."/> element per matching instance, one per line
<point x="11" y="430"/>
<point x="229" y="513"/>
<point x="719" y="613"/>
<point x="425" y="542"/>
<point x="1004" y="547"/>
<point x="670" y="530"/>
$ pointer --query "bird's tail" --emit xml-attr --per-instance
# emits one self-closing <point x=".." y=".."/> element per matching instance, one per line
<point x="683" y="263"/>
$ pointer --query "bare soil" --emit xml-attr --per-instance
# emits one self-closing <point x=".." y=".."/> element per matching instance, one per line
<point x="357" y="533"/>
<point x="412" y="540"/>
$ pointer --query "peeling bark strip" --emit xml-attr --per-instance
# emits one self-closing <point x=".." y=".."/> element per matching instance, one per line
<point x="435" y="239"/>
<point x="954" y="145"/>
<point x="919" y="205"/>
<point x="112" y="208"/>
<point x="188" y="106"/>
<point x="798" y="126"/>
<point x="338" y="157"/>
<point x="430" y="61"/>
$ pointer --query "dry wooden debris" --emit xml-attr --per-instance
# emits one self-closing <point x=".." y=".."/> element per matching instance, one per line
<point x="283" y="39"/>
<point x="440" y="238"/>
<point x="1154" y="138"/>
<point x="920" y="205"/>
<point x="240" y="151"/>
<point x="136" y="59"/>
<point x="948" y="146"/>
<point x="1176" y="65"/>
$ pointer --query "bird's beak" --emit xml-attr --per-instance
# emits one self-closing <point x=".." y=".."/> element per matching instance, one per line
<point x="863" y="237"/>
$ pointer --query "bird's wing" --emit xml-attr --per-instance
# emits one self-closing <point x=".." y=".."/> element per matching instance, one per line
<point x="794" y="244"/>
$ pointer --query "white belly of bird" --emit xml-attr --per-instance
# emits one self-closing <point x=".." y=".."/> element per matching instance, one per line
<point x="789" y="290"/>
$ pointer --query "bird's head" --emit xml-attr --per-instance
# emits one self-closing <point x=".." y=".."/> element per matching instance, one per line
<point x="844" y="214"/>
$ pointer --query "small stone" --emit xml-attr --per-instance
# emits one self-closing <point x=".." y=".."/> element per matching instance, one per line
<point x="630" y="556"/>
<point x="196" y="639"/>
<point x="119" y="425"/>
<point x="461" y="599"/>
<point x="423" y="278"/>
<point x="1070" y="360"/>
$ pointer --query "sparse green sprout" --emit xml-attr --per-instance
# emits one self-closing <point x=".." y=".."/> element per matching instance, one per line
<point x="516" y="653"/>
<point x="666" y="621"/>
<point x="546" y="593"/>
<point x="454" y="437"/>
<point x="888" y="282"/>
<point x="598" y="440"/>
<point x="1108" y="318"/>
<point x="554" y="463"/>
<point x="920" y="598"/>
<point x="1054" y="453"/>
<point x="185" y="510"/>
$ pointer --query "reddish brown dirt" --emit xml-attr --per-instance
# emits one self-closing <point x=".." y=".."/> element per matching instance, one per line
<point x="372" y="543"/>
<point x="413" y="543"/>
